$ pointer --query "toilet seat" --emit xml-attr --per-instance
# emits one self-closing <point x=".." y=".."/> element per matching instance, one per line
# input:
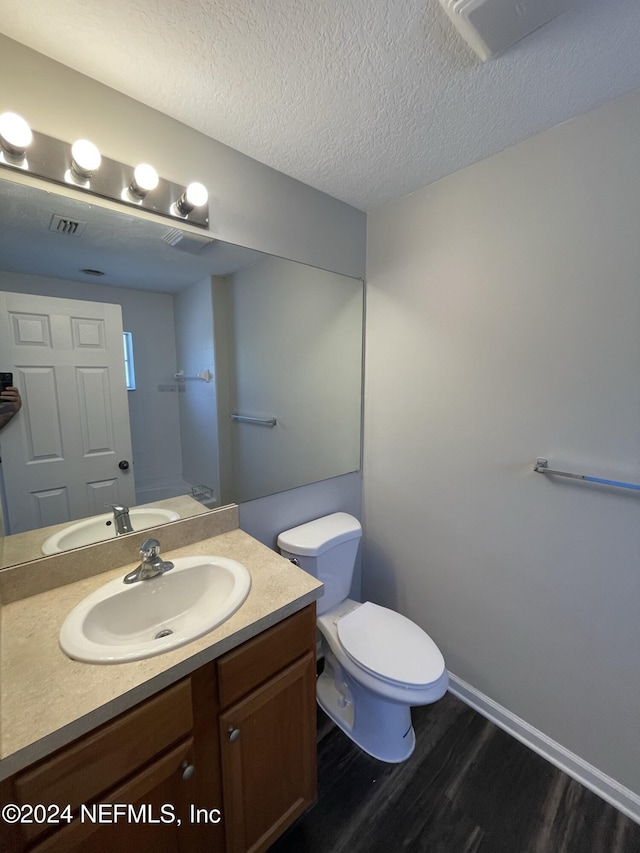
<point x="390" y="646"/>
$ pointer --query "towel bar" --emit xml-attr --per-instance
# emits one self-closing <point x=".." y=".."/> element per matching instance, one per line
<point x="269" y="422"/>
<point x="542" y="464"/>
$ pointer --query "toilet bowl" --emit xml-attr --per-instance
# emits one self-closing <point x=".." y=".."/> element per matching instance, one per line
<point x="377" y="663"/>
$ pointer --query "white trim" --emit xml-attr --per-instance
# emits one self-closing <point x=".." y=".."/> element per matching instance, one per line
<point x="604" y="786"/>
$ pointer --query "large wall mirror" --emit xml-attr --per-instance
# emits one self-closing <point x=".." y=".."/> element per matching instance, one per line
<point x="245" y="370"/>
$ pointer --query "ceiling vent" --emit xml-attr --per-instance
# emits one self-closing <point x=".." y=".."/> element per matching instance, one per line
<point x="187" y="241"/>
<point x="492" y="26"/>
<point x="64" y="225"/>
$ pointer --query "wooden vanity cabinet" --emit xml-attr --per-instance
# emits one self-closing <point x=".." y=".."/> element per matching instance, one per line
<point x="223" y="761"/>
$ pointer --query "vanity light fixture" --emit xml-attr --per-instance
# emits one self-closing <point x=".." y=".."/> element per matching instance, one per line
<point x="15" y="136"/>
<point x="82" y="166"/>
<point x="195" y="195"/>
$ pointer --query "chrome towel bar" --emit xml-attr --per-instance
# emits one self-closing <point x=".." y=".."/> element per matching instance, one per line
<point x="206" y="375"/>
<point x="542" y="467"/>
<point x="268" y="422"/>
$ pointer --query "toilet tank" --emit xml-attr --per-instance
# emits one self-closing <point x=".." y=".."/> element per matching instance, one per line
<point x="326" y="548"/>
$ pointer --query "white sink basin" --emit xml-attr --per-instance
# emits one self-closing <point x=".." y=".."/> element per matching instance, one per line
<point x="123" y="622"/>
<point x="101" y="527"/>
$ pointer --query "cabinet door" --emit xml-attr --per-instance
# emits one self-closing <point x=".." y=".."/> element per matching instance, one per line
<point x="268" y="745"/>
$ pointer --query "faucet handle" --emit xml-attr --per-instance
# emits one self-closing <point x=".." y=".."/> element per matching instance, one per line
<point x="118" y="507"/>
<point x="150" y="548"/>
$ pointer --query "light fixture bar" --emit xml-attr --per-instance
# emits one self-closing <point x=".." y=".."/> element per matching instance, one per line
<point x="51" y="159"/>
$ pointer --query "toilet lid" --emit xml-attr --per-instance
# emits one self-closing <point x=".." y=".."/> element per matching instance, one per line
<point x="387" y="644"/>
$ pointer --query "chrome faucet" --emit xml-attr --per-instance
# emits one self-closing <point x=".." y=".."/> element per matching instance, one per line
<point x="151" y="566"/>
<point x="121" y="519"/>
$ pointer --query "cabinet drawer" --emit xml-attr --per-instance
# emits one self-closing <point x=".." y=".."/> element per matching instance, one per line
<point x="80" y="772"/>
<point x="257" y="660"/>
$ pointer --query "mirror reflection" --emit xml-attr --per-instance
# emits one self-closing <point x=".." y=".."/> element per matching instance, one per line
<point x="162" y="369"/>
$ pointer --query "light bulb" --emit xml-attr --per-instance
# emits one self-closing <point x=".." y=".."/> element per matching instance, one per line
<point x="85" y="158"/>
<point x="145" y="179"/>
<point x="195" y="195"/>
<point x="15" y="134"/>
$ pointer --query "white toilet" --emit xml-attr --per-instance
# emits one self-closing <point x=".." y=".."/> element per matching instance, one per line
<point x="377" y="663"/>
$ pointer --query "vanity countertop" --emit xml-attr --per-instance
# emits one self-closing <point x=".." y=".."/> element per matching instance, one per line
<point x="47" y="700"/>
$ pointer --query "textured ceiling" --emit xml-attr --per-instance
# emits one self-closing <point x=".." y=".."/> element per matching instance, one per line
<point x="367" y="100"/>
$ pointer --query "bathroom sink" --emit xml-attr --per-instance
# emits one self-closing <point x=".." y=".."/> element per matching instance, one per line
<point x="124" y="622"/>
<point x="101" y="527"/>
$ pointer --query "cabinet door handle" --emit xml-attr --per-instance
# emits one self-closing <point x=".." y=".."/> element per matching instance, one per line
<point x="187" y="770"/>
<point x="234" y="734"/>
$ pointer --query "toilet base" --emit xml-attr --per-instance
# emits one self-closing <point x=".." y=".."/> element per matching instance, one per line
<point x="381" y="728"/>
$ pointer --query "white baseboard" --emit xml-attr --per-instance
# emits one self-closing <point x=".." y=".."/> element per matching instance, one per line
<point x="604" y="786"/>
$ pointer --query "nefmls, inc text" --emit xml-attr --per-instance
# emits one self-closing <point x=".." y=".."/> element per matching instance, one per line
<point x="105" y="813"/>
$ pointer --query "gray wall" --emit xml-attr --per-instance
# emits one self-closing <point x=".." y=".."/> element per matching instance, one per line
<point x="250" y="204"/>
<point x="504" y="324"/>
<point x="297" y="355"/>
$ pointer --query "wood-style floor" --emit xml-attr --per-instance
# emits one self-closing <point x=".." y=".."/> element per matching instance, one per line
<point x="468" y="788"/>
